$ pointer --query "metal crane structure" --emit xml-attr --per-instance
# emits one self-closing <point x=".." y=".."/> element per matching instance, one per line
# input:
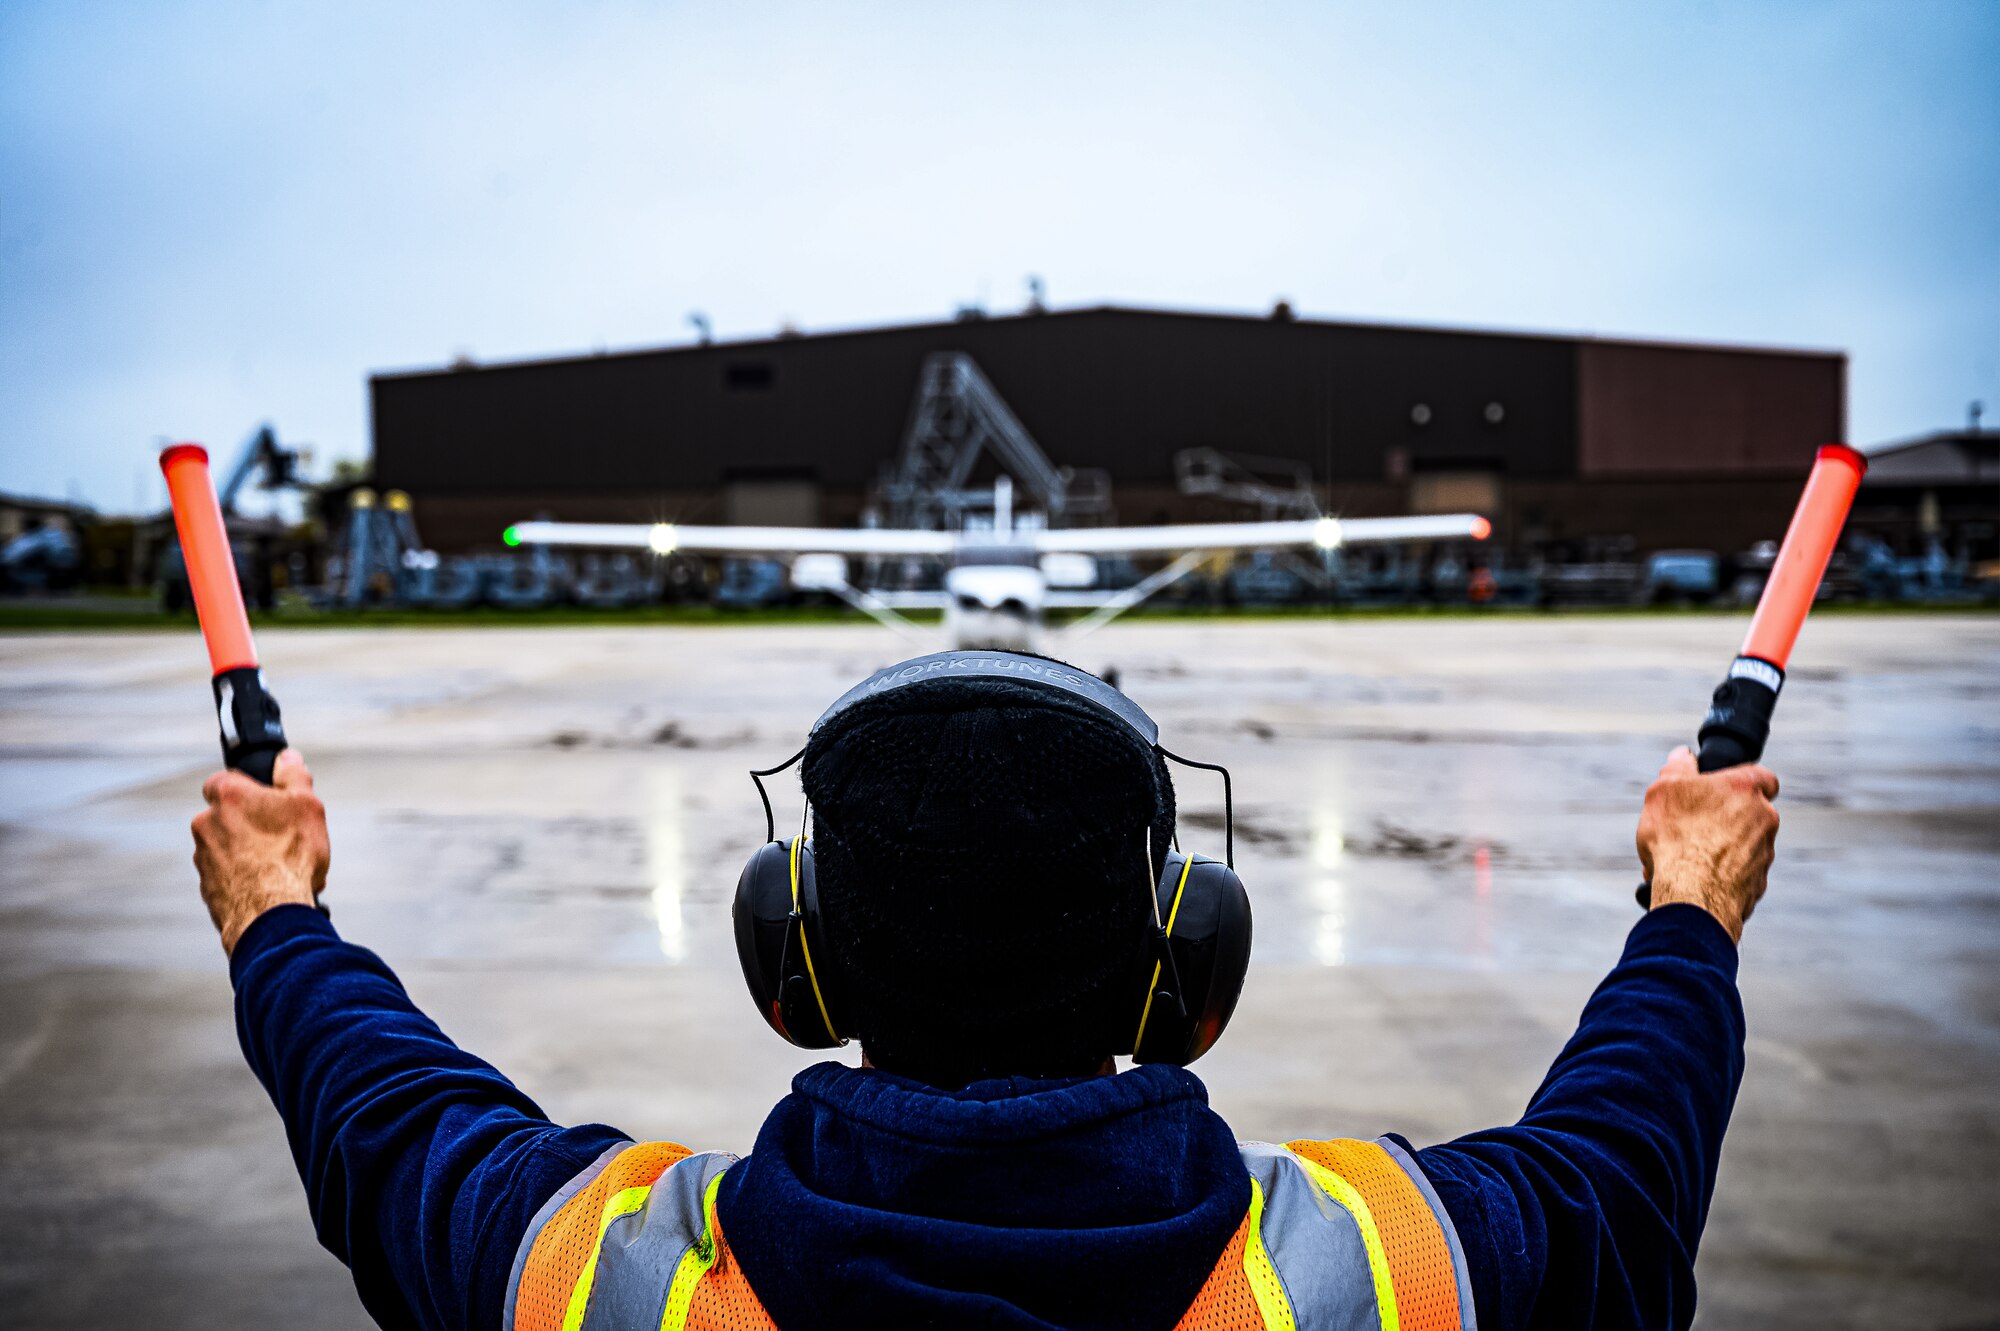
<point x="1278" y="488"/>
<point x="276" y="466"/>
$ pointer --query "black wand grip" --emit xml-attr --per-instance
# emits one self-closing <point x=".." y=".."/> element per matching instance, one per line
<point x="1739" y="715"/>
<point x="1736" y="727"/>
<point x="252" y="733"/>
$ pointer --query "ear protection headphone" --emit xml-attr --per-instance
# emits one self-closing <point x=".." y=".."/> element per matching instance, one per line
<point x="1199" y="929"/>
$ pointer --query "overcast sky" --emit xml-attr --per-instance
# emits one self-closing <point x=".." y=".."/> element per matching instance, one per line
<point x="216" y="215"/>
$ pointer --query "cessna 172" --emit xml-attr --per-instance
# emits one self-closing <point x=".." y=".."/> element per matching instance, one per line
<point x="998" y="582"/>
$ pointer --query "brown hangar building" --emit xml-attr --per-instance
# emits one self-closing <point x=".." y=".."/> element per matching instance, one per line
<point x="1565" y="442"/>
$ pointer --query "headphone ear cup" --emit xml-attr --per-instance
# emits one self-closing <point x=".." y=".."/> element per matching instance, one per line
<point x="762" y="916"/>
<point x="774" y="942"/>
<point x="1209" y="940"/>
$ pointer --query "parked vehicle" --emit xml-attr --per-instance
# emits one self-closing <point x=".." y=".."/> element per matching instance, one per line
<point x="752" y="584"/>
<point x="1600" y="582"/>
<point x="48" y="558"/>
<point x="1681" y="577"/>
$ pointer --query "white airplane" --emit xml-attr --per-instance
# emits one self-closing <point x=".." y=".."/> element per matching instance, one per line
<point x="998" y="582"/>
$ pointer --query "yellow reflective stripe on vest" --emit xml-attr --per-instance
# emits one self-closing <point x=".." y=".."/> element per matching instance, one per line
<point x="694" y="1264"/>
<point x="1351" y="1201"/>
<point x="621" y="1204"/>
<point x="1265" y="1287"/>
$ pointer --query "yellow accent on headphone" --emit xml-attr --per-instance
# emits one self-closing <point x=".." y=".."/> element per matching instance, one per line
<point x="1152" y="985"/>
<point x="806" y="948"/>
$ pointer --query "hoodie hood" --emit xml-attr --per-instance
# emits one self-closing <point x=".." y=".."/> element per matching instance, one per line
<point x="1095" y="1202"/>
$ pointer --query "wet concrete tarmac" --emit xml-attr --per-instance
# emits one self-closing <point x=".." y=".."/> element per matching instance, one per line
<point x="539" y="830"/>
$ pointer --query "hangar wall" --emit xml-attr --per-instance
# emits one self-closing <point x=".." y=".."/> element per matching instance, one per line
<point x="1554" y="430"/>
<point x="1646" y="410"/>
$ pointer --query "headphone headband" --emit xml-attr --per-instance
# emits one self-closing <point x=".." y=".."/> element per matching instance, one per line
<point x="1000" y="665"/>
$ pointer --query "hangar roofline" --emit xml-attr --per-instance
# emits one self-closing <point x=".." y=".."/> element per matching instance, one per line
<point x="1086" y="311"/>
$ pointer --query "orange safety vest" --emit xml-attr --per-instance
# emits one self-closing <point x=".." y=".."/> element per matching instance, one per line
<point x="1339" y="1233"/>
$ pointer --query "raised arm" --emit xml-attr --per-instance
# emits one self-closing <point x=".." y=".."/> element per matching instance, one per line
<point x="1588" y="1211"/>
<point x="422" y="1164"/>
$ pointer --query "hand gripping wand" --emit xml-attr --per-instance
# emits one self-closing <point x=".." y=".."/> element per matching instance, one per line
<point x="1739" y="713"/>
<point x="251" y="734"/>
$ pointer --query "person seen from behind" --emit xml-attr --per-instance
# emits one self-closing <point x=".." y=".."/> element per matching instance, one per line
<point x="991" y="846"/>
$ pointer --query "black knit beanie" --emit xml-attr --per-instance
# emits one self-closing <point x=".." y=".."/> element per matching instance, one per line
<point x="983" y="878"/>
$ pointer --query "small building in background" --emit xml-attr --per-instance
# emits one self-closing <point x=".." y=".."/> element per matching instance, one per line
<point x="1941" y="488"/>
<point x="1572" y="445"/>
<point x="20" y="514"/>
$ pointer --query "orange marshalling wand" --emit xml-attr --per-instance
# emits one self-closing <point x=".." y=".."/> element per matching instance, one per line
<point x="252" y="736"/>
<point x="1794" y="581"/>
<point x="1739" y="714"/>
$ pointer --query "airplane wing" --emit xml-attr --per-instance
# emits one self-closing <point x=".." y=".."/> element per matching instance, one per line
<point x="667" y="538"/>
<point x="1325" y="533"/>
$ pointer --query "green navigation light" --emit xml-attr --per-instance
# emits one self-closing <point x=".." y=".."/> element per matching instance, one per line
<point x="511" y="536"/>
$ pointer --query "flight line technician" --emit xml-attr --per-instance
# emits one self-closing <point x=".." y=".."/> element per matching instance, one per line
<point x="993" y="905"/>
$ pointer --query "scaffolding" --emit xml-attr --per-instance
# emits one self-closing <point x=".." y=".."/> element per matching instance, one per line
<point x="959" y="416"/>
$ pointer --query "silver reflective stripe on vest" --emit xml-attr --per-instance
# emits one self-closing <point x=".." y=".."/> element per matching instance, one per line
<point x="543" y="1216"/>
<point x="1314" y="1244"/>
<point x="1316" y="1248"/>
<point x="1466" y="1319"/>
<point x="640" y="1253"/>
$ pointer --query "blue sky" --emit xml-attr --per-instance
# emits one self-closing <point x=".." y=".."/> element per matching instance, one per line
<point x="214" y="215"/>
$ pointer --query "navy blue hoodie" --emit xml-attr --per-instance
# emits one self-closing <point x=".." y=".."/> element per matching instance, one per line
<point x="1102" y="1202"/>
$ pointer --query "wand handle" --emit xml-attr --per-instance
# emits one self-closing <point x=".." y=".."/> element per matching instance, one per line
<point x="1739" y="713"/>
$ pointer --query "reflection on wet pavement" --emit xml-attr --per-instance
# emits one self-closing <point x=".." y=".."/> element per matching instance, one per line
<point x="1327" y="889"/>
<point x="666" y="858"/>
